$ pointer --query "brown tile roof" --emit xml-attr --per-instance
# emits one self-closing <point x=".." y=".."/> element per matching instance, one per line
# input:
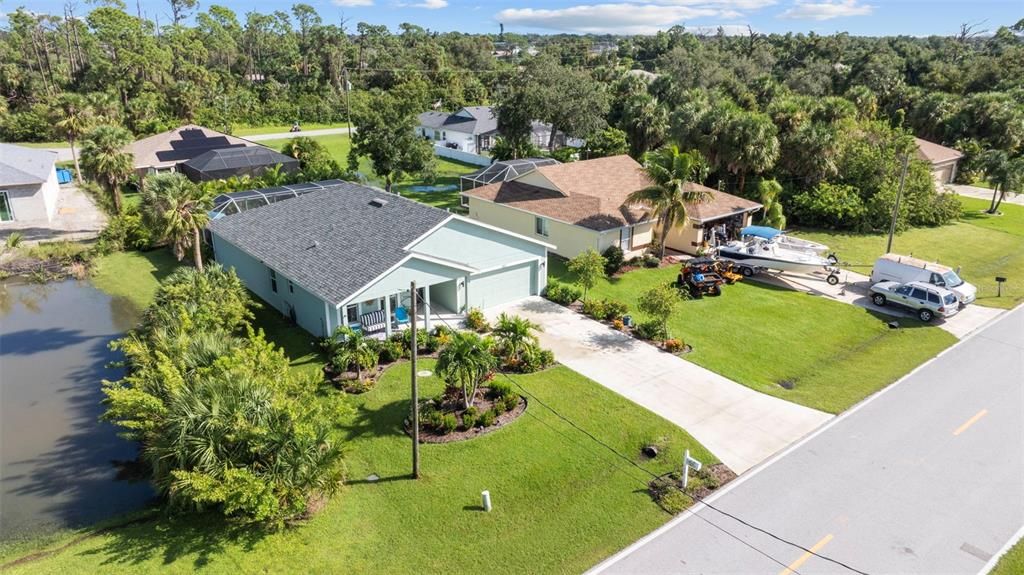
<point x="180" y="144"/>
<point x="935" y="153"/>
<point x="592" y="194"/>
<point x="719" y="205"/>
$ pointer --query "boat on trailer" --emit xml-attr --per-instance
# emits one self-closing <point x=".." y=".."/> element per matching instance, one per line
<point x="763" y="248"/>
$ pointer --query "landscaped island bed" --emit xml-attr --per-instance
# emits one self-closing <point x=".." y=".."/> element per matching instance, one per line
<point x="832" y="354"/>
<point x="984" y="246"/>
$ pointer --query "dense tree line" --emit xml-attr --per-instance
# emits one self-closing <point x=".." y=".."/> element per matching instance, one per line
<point x="827" y="117"/>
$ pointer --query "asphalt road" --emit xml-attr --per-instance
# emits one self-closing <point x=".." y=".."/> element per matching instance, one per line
<point x="927" y="477"/>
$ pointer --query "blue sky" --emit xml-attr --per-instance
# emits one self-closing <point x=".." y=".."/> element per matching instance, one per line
<point x="860" y="17"/>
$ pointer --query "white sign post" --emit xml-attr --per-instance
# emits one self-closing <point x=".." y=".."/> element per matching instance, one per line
<point x="689" y="462"/>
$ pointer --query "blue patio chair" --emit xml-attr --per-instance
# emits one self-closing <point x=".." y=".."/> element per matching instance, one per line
<point x="401" y="316"/>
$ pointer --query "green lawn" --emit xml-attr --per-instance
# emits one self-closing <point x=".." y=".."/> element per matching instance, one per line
<point x="835" y="354"/>
<point x="448" y="172"/>
<point x="277" y="128"/>
<point x="133" y="275"/>
<point x="1012" y="563"/>
<point x="984" y="246"/>
<point x="562" y="501"/>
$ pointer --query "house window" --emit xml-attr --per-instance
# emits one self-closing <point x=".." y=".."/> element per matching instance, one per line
<point x="291" y="288"/>
<point x="352" y="314"/>
<point x="6" y="213"/>
<point x="540" y="225"/>
<point x="273" y="281"/>
<point x="437" y="135"/>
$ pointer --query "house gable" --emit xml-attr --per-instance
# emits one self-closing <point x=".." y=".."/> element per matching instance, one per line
<point x="468" y="243"/>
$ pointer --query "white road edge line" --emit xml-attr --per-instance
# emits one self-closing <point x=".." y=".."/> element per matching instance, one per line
<point x="988" y="567"/>
<point x="602" y="566"/>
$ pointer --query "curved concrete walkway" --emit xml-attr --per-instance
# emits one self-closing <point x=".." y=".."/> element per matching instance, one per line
<point x="739" y="425"/>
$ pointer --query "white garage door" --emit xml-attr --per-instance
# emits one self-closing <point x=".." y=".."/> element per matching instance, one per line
<point x="501" y="286"/>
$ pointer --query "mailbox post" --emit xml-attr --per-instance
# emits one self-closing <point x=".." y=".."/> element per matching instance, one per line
<point x="689" y="462"/>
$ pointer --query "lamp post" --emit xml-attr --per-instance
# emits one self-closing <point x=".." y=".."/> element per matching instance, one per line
<point x="415" y="387"/>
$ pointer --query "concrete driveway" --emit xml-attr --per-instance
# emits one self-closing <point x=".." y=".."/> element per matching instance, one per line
<point x="739" y="425"/>
<point x="855" y="289"/>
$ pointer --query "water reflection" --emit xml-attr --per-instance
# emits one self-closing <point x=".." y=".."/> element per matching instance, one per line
<point x="56" y="459"/>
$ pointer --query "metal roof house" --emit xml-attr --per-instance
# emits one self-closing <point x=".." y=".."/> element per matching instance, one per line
<point x="223" y="163"/>
<point x="28" y="184"/>
<point x="346" y="254"/>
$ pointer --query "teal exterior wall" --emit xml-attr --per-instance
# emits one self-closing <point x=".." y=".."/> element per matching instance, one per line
<point x="309" y="310"/>
<point x="478" y="247"/>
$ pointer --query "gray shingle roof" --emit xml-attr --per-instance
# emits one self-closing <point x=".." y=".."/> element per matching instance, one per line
<point x="20" y="165"/>
<point x="331" y="242"/>
<point x="483" y="120"/>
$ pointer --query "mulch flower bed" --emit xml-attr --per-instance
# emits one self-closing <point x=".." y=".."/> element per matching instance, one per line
<point x="348" y="381"/>
<point x="482" y="404"/>
<point x="721" y="473"/>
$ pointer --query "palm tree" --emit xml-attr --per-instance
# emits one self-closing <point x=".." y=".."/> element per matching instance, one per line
<point x="177" y="210"/>
<point x="673" y="174"/>
<point x="515" y="335"/>
<point x="104" y="159"/>
<point x="769" y="191"/>
<point x="751" y="145"/>
<point x="465" y="362"/>
<point x="349" y="347"/>
<point x="1004" y="173"/>
<point x="73" y="117"/>
<point x="274" y="176"/>
<point x="646" y="122"/>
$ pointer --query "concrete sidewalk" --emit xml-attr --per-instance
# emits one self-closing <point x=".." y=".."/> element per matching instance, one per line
<point x="739" y="425"/>
<point x="985" y="193"/>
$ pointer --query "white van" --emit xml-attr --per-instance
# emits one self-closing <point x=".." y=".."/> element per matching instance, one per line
<point x="905" y="269"/>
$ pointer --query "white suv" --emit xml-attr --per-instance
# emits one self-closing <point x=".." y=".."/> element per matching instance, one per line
<point x="926" y="300"/>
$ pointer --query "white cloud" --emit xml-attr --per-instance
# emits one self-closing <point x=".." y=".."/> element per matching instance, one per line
<point x="734" y="4"/>
<point x="803" y="10"/>
<point x="352" y="3"/>
<point x="626" y="18"/>
<point x="427" y="4"/>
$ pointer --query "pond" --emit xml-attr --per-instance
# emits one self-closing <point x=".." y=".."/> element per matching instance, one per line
<point x="58" y="463"/>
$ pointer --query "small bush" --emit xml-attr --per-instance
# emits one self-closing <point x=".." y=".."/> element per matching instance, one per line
<point x="563" y="294"/>
<point x="650" y="330"/>
<point x="509" y="402"/>
<point x="469" y="418"/>
<point x="447" y="423"/>
<point x="487" y="418"/>
<point x="651" y="261"/>
<point x="595" y="308"/>
<point x="614" y="310"/>
<point x="14" y="239"/>
<point x="672" y="345"/>
<point x="613" y="258"/>
<point x="534" y="358"/>
<point x="665" y="490"/>
<point x="498" y="388"/>
<point x="476" y="321"/>
<point x="391" y="351"/>
<point x="125" y="232"/>
<point x="618" y="324"/>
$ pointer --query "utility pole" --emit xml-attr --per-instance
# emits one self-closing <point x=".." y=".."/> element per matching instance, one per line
<point x="348" y="109"/>
<point x="415" y="387"/>
<point x="896" y="208"/>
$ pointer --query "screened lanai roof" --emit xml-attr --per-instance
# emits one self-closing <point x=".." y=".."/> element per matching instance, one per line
<point x="504" y="171"/>
<point x="237" y="202"/>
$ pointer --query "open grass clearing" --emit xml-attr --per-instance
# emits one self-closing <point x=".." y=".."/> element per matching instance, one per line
<point x="563" y="502"/>
<point x="447" y="173"/>
<point x="983" y="245"/>
<point x="832" y="354"/>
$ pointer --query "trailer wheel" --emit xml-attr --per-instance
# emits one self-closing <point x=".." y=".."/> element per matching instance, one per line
<point x="832" y="279"/>
<point x="746" y="271"/>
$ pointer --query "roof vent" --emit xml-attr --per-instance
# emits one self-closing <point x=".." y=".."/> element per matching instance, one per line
<point x="378" y="203"/>
<point x="314" y="245"/>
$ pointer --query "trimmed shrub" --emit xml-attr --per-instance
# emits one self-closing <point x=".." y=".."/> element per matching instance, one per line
<point x="509" y="402"/>
<point x="618" y="324"/>
<point x="470" y="417"/>
<point x="498" y="389"/>
<point x="672" y="345"/>
<point x="651" y="261"/>
<point x="391" y="351"/>
<point x="614" y="310"/>
<point x="561" y="293"/>
<point x="487" y="418"/>
<point x="476" y="321"/>
<point x="650" y="330"/>
<point x="447" y="423"/>
<point x="613" y="258"/>
<point x="595" y="308"/>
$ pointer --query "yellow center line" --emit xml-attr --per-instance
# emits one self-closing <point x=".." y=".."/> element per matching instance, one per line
<point x="970" y="422"/>
<point x="807" y="555"/>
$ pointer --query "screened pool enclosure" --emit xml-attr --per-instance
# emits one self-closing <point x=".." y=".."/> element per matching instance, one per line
<point x="502" y="171"/>
<point x="237" y="202"/>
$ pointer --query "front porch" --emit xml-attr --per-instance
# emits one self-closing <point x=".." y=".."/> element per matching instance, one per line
<point x="380" y="317"/>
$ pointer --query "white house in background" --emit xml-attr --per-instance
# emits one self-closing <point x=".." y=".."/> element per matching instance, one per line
<point x="474" y="129"/>
<point x="28" y="184"/>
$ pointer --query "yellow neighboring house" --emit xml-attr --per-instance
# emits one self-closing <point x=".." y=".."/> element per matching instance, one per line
<point x="583" y="205"/>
